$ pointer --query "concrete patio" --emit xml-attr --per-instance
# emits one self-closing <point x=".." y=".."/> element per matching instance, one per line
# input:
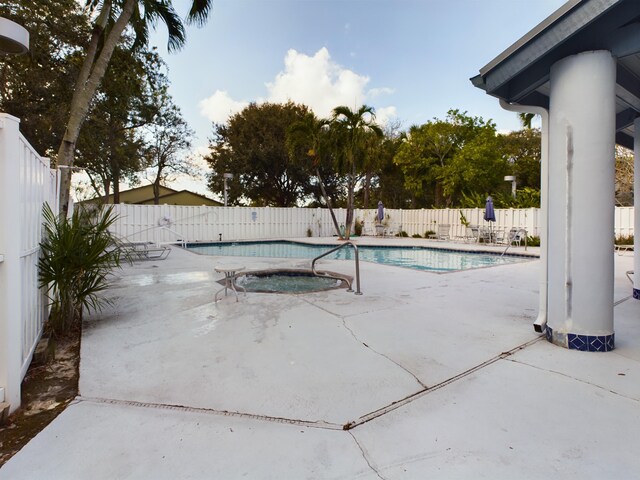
<point x="423" y="376"/>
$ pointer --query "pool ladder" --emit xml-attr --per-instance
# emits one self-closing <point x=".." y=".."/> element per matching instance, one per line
<point x="357" y="260"/>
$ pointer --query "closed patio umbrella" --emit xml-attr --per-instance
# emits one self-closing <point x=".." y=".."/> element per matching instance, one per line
<point x="490" y="216"/>
<point x="489" y="213"/>
<point x="380" y="216"/>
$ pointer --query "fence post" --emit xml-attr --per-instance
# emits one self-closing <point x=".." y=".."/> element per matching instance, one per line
<point x="10" y="271"/>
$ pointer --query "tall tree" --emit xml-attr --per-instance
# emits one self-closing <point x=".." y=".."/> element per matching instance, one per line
<point x="351" y="130"/>
<point x="477" y="164"/>
<point x="311" y="133"/>
<point x="33" y="87"/>
<point x="110" y="146"/>
<point x="111" y="19"/>
<point x="423" y="154"/>
<point x="390" y="179"/>
<point x="371" y="163"/>
<point x="450" y="158"/>
<point x="521" y="149"/>
<point x="252" y="146"/>
<point x="168" y="137"/>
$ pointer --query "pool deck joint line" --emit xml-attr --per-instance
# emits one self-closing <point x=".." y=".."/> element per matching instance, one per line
<point x="414" y="396"/>
<point x="321" y="424"/>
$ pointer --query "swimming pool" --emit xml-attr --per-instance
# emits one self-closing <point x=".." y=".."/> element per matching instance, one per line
<point x="420" y="258"/>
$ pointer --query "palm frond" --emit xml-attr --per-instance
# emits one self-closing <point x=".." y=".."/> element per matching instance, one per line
<point x="77" y="257"/>
<point x="199" y="12"/>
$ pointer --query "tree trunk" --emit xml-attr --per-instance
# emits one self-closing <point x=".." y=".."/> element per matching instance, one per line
<point x="85" y="89"/>
<point x="350" y="201"/>
<point x="367" y="188"/>
<point x="156" y="191"/>
<point x="107" y="189"/>
<point x="327" y="200"/>
<point x="116" y="192"/>
<point x="438" y="198"/>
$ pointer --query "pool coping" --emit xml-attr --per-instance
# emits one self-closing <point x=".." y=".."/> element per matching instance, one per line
<point x="345" y="280"/>
<point x="445" y="248"/>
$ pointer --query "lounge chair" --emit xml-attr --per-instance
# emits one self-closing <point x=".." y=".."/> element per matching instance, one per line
<point x="623" y="248"/>
<point x="142" y="250"/>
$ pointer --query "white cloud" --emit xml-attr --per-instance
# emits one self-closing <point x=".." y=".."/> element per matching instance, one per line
<point x="376" y="92"/>
<point x="385" y="114"/>
<point x="220" y="106"/>
<point x="316" y="81"/>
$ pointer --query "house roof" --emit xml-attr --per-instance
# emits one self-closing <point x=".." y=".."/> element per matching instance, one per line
<point x="175" y="194"/>
<point x="520" y="74"/>
<point x="144" y="195"/>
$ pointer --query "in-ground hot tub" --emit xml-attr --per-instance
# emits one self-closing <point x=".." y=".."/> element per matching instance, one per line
<point x="291" y="281"/>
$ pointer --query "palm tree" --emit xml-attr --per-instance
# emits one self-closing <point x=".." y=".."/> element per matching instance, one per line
<point x="308" y="133"/>
<point x="526" y="119"/>
<point x="113" y="17"/>
<point x="351" y="129"/>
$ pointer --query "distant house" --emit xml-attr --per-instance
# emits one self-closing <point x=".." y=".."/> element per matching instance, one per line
<point x="168" y="196"/>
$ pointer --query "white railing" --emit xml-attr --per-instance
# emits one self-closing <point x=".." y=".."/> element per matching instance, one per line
<point x="26" y="183"/>
<point x="173" y="224"/>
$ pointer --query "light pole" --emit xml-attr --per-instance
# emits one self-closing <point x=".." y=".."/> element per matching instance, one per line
<point x="512" y="179"/>
<point x="226" y="176"/>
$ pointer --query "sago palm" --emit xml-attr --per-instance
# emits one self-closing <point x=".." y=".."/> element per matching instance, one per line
<point x="77" y="257"/>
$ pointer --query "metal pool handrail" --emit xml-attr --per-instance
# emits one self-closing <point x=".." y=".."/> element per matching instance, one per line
<point x="357" y="260"/>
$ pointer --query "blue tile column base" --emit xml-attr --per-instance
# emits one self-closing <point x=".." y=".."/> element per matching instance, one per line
<point x="584" y="343"/>
<point x="636" y="293"/>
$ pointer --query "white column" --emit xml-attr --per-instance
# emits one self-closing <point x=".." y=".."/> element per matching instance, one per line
<point x="581" y="201"/>
<point x="636" y="209"/>
<point x="10" y="271"/>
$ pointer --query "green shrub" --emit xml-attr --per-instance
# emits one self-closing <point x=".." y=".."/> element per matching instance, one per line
<point x="624" y="240"/>
<point x="77" y="256"/>
<point x="357" y="227"/>
<point x="533" y="241"/>
<point x="428" y="233"/>
<point x="402" y="234"/>
<point x="416" y="235"/>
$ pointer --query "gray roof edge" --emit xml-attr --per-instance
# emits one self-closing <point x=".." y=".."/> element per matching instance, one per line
<point x="534" y="32"/>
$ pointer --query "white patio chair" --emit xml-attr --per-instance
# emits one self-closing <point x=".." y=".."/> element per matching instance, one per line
<point x="516" y="236"/>
<point x="484" y="235"/>
<point x="443" y="231"/>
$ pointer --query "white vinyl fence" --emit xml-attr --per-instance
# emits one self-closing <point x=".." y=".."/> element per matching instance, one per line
<point x="171" y="223"/>
<point x="26" y="182"/>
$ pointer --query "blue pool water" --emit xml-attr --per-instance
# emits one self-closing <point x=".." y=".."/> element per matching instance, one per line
<point x="419" y="258"/>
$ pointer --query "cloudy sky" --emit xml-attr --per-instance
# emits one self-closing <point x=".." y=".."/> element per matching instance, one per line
<point x="409" y="59"/>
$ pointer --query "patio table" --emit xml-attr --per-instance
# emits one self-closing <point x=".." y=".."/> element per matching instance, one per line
<point x="230" y="273"/>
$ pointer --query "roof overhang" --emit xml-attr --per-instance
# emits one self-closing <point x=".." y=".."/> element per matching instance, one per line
<point x="520" y="74"/>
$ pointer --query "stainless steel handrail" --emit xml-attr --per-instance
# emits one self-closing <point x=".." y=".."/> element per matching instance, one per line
<point x="357" y="260"/>
<point x="511" y="240"/>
